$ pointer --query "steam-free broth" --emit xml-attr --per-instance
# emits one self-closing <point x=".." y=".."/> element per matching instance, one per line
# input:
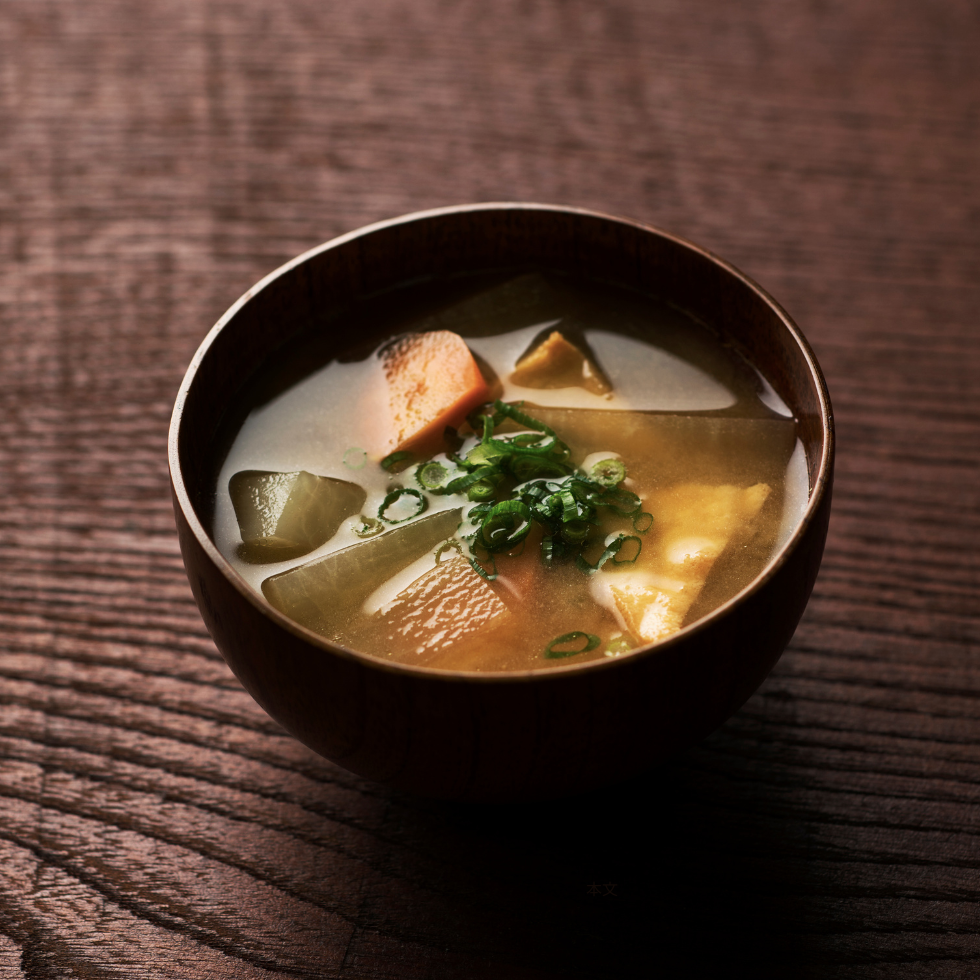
<point x="612" y="471"/>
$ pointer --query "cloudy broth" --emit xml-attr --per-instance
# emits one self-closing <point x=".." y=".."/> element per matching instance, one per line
<point x="708" y="449"/>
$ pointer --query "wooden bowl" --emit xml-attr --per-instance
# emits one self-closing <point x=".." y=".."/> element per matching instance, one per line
<point x="503" y="736"/>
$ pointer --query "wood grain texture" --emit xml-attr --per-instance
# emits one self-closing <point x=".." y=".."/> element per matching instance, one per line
<point x="155" y="160"/>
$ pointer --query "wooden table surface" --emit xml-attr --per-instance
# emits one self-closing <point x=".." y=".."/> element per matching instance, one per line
<point x="157" y="159"/>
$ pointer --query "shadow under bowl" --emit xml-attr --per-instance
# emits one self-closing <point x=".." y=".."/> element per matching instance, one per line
<point x="497" y="737"/>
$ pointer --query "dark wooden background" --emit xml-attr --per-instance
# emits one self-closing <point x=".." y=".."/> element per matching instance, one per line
<point x="158" y="158"/>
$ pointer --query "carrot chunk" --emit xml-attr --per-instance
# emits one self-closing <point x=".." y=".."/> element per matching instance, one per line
<point x="433" y="382"/>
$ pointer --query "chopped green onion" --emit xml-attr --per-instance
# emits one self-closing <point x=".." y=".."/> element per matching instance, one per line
<point x="467" y="480"/>
<point x="507" y="524"/>
<point x="608" y="472"/>
<point x="548" y="549"/>
<point x="623" y="539"/>
<point x="526" y="440"/>
<point x="574" y="532"/>
<point x="450" y="545"/>
<point x="527" y="467"/>
<point x="482" y="572"/>
<point x="642" y="522"/>
<point x="432" y="476"/>
<point x="549" y="491"/>
<point x="612" y="550"/>
<point x="396" y="462"/>
<point x="624" y="502"/>
<point x="476" y="515"/>
<point x="569" y="505"/>
<point x="355" y="458"/>
<point x="486" y="454"/>
<point x="396" y="495"/>
<point x="514" y="412"/>
<point x="575" y="637"/>
<point x="370" y="526"/>
<point x="482" y="490"/>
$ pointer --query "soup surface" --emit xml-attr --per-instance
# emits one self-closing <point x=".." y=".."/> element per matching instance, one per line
<point x="515" y="475"/>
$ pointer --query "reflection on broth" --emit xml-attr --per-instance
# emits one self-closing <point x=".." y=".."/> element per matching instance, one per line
<point x="526" y="475"/>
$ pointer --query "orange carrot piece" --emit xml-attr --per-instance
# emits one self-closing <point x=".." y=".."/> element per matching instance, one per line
<point x="433" y="382"/>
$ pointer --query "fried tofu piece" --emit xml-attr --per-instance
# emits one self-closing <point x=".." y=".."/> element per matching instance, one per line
<point x="694" y="525"/>
<point x="558" y="363"/>
<point x="651" y="607"/>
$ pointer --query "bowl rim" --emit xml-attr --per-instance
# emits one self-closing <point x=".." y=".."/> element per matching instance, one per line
<point x="819" y="489"/>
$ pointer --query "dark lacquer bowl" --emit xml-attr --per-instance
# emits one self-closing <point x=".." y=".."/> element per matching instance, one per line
<point x="504" y="736"/>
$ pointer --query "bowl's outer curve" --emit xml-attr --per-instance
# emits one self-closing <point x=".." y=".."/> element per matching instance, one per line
<point x="499" y="736"/>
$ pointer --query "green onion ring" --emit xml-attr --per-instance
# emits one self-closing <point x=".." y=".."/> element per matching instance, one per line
<point x="431" y="476"/>
<point x="476" y="515"/>
<point x="608" y="472"/>
<point x="451" y="544"/>
<point x="623" y="538"/>
<point x="355" y="458"/>
<point x="395" y="495"/>
<point x="591" y="642"/>
<point x="507" y="524"/>
<point x="482" y="491"/>
<point x="548" y="549"/>
<point x="624" y="502"/>
<point x="481" y="571"/>
<point x="526" y="466"/>
<point x="618" y="646"/>
<point x="527" y="439"/>
<point x="612" y="549"/>
<point x="396" y="462"/>
<point x="370" y="526"/>
<point x="514" y="412"/>
<point x="574" y="532"/>
<point x="642" y="522"/>
<point x="487" y="454"/>
<point x="464" y="482"/>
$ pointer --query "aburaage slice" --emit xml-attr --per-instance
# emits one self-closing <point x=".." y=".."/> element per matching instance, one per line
<point x="694" y="525"/>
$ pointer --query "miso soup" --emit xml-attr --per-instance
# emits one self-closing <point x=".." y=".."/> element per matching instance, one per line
<point x="510" y="473"/>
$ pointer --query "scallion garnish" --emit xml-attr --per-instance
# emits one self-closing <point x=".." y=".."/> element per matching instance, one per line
<point x="432" y="476"/>
<point x="570" y="644"/>
<point x="574" y="532"/>
<point x="370" y="526"/>
<point x="355" y="458"/>
<point x="396" y="462"/>
<point x="464" y="482"/>
<point x="481" y="491"/>
<point x="642" y="522"/>
<point x="482" y="572"/>
<point x="623" y="501"/>
<point x="476" y="514"/>
<point x="611" y="552"/>
<point x="505" y="526"/>
<point x="519" y="481"/>
<point x="449" y="545"/>
<point x="394" y="497"/>
<point x="608" y="472"/>
<point x="631" y="553"/>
